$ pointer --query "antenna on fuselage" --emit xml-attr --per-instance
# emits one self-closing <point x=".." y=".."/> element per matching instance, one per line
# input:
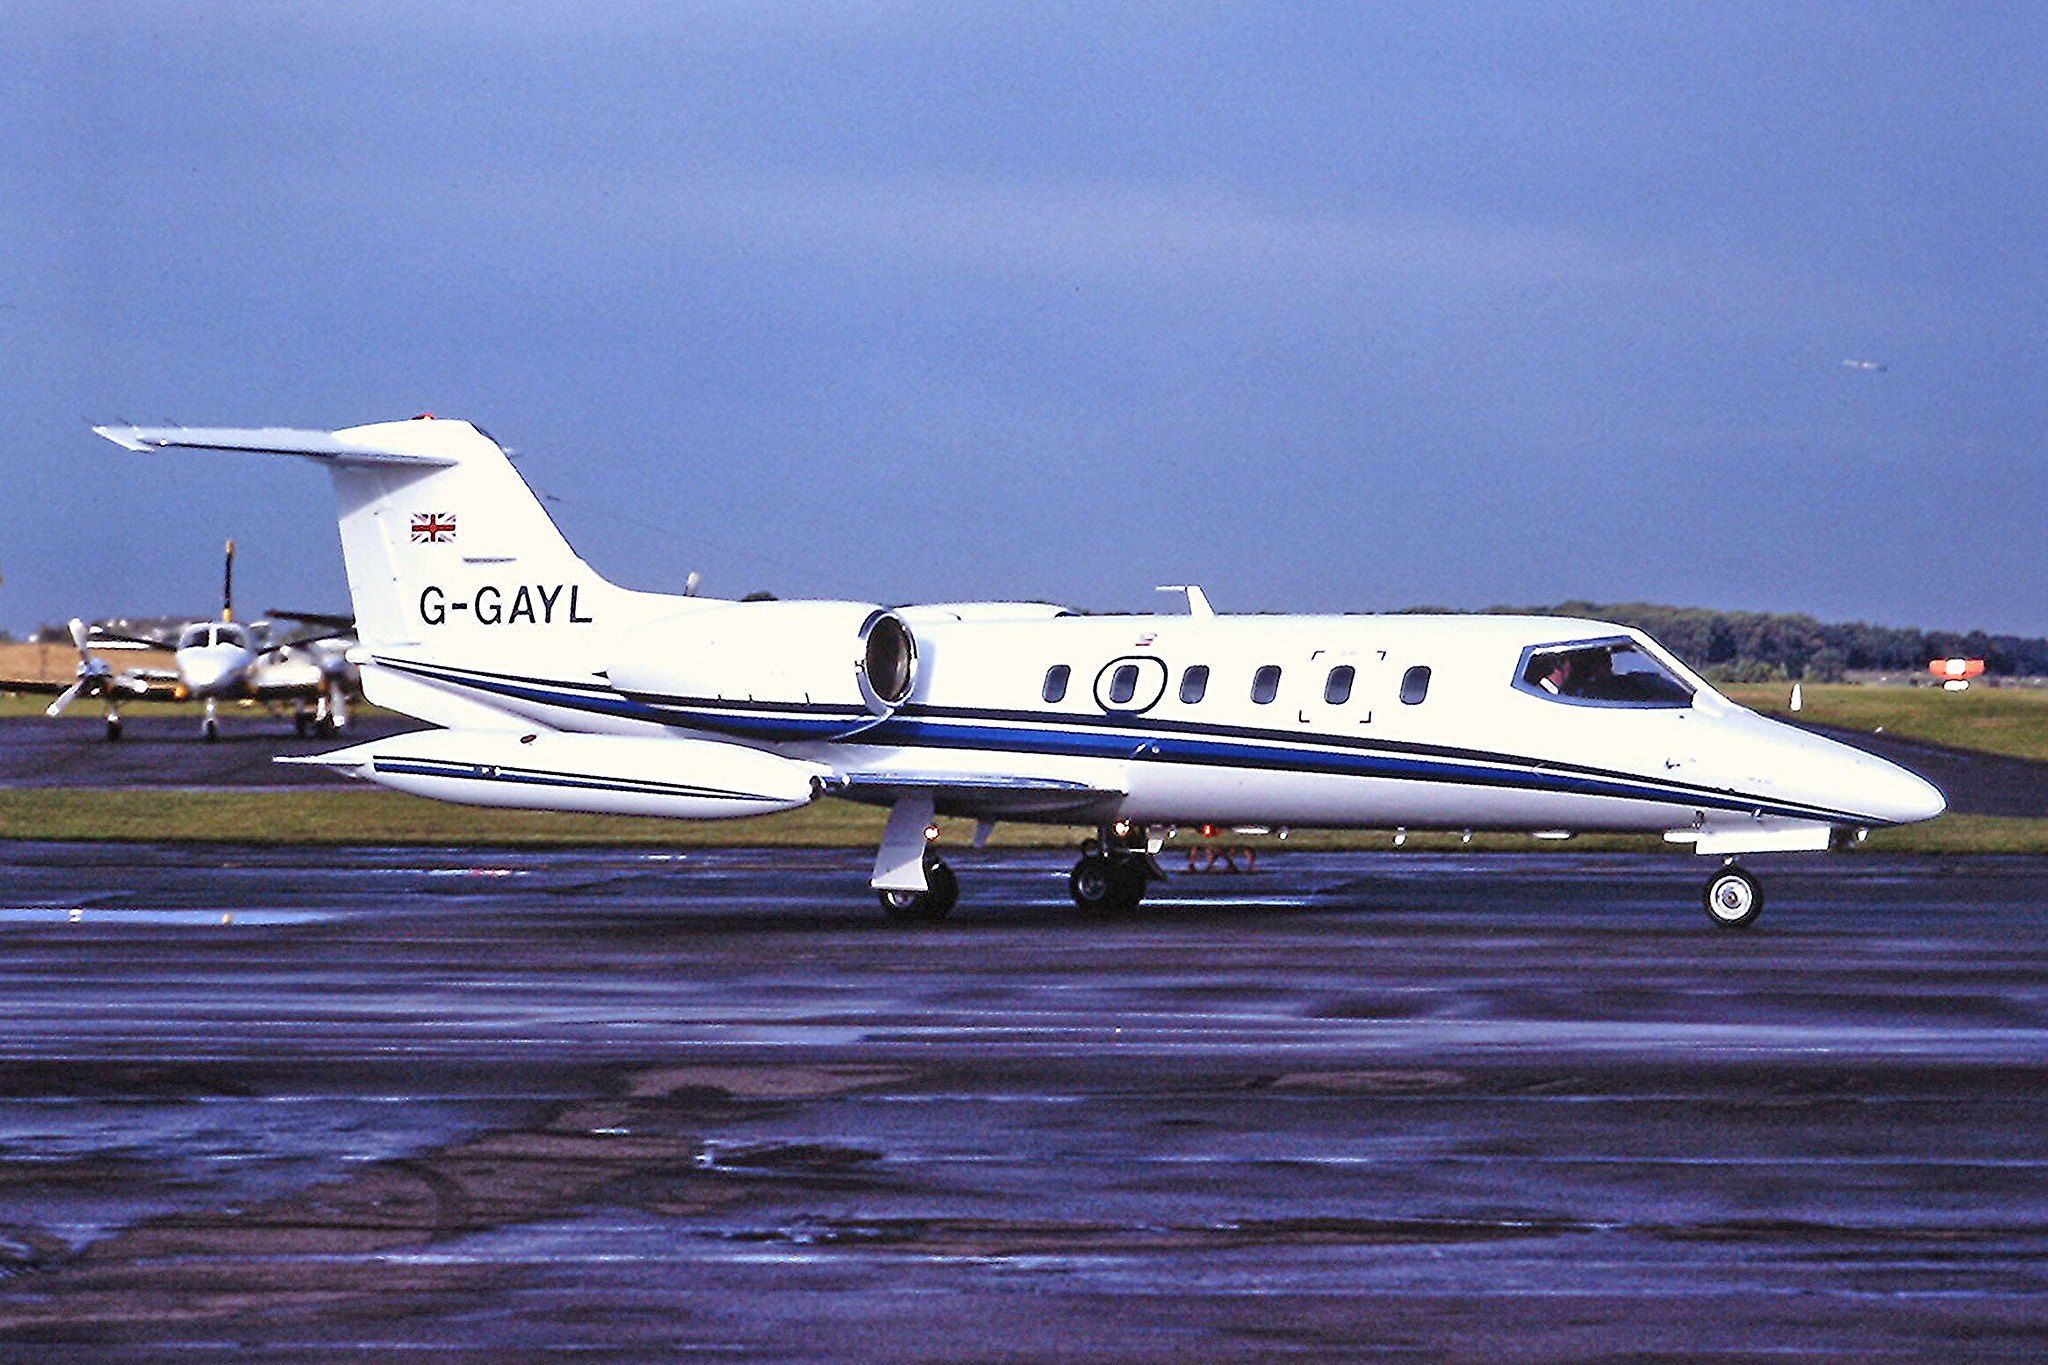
<point x="1198" y="601"/>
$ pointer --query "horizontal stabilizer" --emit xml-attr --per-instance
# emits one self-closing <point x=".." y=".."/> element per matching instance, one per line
<point x="326" y="446"/>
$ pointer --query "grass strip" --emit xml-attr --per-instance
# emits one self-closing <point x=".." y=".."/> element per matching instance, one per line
<point x="2012" y="721"/>
<point x="371" y="816"/>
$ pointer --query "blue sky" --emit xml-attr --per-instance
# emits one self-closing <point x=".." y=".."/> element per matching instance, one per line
<point x="1325" y="307"/>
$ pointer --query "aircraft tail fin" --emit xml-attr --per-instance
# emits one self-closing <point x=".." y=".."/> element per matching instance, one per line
<point x="449" y="553"/>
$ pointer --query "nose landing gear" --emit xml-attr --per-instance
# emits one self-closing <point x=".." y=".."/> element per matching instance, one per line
<point x="1734" y="898"/>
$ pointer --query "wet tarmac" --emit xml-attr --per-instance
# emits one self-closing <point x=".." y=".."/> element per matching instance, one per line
<point x="1448" y="1107"/>
<point x="159" y="749"/>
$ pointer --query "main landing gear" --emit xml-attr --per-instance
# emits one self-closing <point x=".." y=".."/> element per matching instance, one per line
<point x="915" y="885"/>
<point x="935" y="902"/>
<point x="1112" y="874"/>
<point x="1734" y="897"/>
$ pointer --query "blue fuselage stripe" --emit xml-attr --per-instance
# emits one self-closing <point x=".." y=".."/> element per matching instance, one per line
<point x="1284" y="752"/>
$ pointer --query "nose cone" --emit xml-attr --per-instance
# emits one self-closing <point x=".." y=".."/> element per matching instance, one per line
<point x="1895" y="796"/>
<point x="1826" y="774"/>
<point x="208" y="668"/>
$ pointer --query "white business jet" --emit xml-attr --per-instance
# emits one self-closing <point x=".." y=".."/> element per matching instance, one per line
<point x="557" y="690"/>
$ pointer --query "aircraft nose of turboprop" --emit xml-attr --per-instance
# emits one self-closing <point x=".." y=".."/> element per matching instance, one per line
<point x="201" y="671"/>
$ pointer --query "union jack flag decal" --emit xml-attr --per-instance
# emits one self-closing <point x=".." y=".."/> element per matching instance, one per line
<point x="431" y="528"/>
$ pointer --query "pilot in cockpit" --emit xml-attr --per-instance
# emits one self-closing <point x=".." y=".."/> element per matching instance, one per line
<point x="1579" y="673"/>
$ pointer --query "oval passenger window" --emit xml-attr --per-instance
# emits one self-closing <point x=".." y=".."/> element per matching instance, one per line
<point x="1266" y="684"/>
<point x="1194" y="684"/>
<point x="1337" y="690"/>
<point x="1123" y="685"/>
<point x="1056" y="682"/>
<point x="1415" y="685"/>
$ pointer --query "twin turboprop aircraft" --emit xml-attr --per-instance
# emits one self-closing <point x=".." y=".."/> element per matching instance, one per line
<point x="214" y="661"/>
<point x="557" y="690"/>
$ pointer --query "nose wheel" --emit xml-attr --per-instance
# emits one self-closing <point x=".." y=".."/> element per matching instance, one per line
<point x="1734" y="898"/>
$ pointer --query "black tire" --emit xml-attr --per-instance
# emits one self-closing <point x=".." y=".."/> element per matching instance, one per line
<point x="1733" y="898"/>
<point x="210" y="731"/>
<point x="302" y="724"/>
<point x="928" y="906"/>
<point x="113" y="731"/>
<point x="1107" y="886"/>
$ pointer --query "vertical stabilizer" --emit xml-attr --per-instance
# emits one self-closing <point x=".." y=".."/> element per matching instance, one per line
<point x="451" y="558"/>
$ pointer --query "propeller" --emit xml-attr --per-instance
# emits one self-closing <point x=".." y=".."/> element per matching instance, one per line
<point x="94" y="678"/>
<point x="227" y="585"/>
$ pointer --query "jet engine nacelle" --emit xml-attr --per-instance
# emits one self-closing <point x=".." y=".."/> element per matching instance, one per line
<point x="772" y="669"/>
<point x="688" y="779"/>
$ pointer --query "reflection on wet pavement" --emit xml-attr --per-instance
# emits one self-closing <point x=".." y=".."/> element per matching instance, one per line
<point x="1453" y="1106"/>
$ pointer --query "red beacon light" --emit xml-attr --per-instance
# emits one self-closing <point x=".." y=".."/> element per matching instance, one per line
<point x="1955" y="674"/>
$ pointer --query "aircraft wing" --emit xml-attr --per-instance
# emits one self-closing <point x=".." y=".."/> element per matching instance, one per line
<point x="988" y="795"/>
<point x="134" y="684"/>
<point x="114" y="639"/>
<point x="39" y="686"/>
<point x="293" y="691"/>
<point x="334" y="623"/>
<point x="310" y="638"/>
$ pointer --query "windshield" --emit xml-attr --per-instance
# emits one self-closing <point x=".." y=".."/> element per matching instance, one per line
<point x="1616" y="672"/>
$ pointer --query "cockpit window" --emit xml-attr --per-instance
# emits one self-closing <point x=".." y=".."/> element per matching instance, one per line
<point x="1617" y="672"/>
<point x="191" y="637"/>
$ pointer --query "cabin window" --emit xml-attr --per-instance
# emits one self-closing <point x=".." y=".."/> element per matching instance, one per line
<point x="1615" y="672"/>
<point x="1194" y="684"/>
<point x="1056" y="682"/>
<point x="1266" y="684"/>
<point x="1415" y="685"/>
<point x="1337" y="687"/>
<point x="1123" y="685"/>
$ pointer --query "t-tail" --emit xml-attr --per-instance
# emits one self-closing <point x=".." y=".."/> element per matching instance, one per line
<point x="452" y="561"/>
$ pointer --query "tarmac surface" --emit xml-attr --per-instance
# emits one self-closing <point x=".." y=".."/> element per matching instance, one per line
<point x="1444" y="1106"/>
<point x="159" y="749"/>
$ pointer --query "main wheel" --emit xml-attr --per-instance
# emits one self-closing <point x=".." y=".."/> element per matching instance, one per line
<point x="1734" y="898"/>
<point x="113" y="728"/>
<point x="302" y="724"/>
<point x="209" y="729"/>
<point x="935" y="902"/>
<point x="1107" y="885"/>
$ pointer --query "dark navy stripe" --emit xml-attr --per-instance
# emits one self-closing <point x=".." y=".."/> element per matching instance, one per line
<point x="538" y="777"/>
<point x="1166" y="741"/>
